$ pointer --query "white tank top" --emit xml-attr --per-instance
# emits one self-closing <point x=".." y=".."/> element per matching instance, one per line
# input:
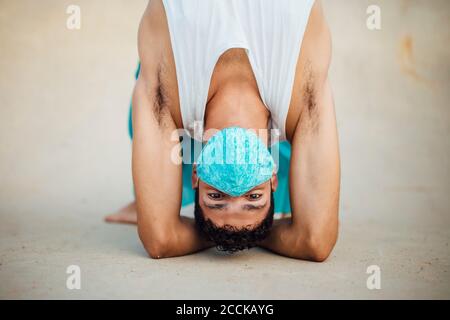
<point x="270" y="31"/>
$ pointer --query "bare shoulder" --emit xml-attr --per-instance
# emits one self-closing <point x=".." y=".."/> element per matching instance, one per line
<point x="312" y="68"/>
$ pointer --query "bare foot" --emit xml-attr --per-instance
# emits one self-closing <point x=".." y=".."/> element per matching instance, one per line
<point x="127" y="214"/>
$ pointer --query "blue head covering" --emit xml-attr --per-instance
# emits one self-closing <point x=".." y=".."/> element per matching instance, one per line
<point x="235" y="161"/>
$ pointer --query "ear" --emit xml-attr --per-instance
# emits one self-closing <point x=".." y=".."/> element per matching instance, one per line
<point x="194" y="177"/>
<point x="274" y="181"/>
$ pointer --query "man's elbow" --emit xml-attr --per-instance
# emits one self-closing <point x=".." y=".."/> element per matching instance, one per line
<point x="157" y="250"/>
<point x="319" y="250"/>
<point x="320" y="244"/>
<point x="156" y="247"/>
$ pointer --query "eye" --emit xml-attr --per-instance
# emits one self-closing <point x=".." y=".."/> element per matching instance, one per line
<point x="215" y="195"/>
<point x="254" y="196"/>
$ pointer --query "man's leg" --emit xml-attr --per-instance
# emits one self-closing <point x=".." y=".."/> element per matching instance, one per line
<point x="128" y="213"/>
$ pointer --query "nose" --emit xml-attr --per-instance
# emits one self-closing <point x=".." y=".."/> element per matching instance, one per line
<point x="235" y="204"/>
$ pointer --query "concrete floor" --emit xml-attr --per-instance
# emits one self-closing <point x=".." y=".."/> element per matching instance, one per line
<point x="65" y="161"/>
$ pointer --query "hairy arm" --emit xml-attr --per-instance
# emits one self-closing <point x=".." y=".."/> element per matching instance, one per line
<point x="311" y="233"/>
<point x="157" y="174"/>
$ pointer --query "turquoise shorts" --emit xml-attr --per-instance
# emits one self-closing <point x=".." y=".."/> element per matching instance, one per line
<point x="281" y="195"/>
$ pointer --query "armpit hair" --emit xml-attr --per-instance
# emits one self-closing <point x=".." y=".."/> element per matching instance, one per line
<point x="309" y="115"/>
<point x="160" y="106"/>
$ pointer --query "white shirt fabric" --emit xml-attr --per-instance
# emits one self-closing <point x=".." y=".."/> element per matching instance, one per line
<point x="270" y="31"/>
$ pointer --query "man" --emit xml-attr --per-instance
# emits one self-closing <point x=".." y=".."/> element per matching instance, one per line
<point x="214" y="68"/>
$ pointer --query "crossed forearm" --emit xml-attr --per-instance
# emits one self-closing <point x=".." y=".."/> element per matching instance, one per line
<point x="180" y="239"/>
<point x="296" y="242"/>
<point x="284" y="239"/>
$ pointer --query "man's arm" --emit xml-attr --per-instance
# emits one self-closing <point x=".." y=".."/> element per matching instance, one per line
<point x="311" y="233"/>
<point x="157" y="177"/>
